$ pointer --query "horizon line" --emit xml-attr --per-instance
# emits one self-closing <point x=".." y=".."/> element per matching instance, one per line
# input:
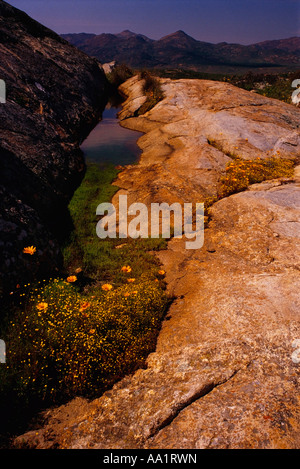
<point x="182" y="31"/>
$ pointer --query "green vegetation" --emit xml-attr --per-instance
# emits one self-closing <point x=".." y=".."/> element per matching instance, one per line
<point x="177" y="74"/>
<point x="64" y="343"/>
<point x="276" y="86"/>
<point x="83" y="247"/>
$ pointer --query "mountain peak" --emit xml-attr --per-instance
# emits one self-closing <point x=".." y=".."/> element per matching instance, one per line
<point x="179" y="35"/>
<point x="126" y="33"/>
<point x="180" y="32"/>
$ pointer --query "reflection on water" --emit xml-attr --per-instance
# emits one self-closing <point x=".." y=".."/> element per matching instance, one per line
<point x="110" y="143"/>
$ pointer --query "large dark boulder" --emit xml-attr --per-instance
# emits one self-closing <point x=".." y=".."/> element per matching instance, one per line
<point x="55" y="96"/>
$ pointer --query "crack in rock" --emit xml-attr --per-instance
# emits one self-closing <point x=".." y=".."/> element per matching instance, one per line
<point x="203" y="391"/>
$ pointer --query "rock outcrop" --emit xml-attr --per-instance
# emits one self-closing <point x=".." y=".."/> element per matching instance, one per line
<point x="225" y="372"/>
<point x="55" y="95"/>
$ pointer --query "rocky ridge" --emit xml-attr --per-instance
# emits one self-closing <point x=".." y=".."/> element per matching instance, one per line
<point x="225" y="373"/>
<point x="181" y="51"/>
<point x="55" y="95"/>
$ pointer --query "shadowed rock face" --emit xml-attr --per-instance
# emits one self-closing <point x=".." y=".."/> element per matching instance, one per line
<point x="225" y="372"/>
<point x="55" y="95"/>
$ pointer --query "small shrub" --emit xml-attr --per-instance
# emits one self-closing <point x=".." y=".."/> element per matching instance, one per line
<point x="151" y="84"/>
<point x="152" y="90"/>
<point x="119" y="74"/>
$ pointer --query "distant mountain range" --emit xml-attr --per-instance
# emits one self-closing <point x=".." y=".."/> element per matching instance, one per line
<point x="179" y="50"/>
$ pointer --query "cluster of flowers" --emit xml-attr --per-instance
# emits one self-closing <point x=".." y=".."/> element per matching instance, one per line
<point x="241" y="173"/>
<point x="65" y="343"/>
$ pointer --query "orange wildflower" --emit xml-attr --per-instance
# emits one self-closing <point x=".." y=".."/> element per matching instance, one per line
<point x="161" y="272"/>
<point x="126" y="268"/>
<point x="29" y="250"/>
<point x="130" y="280"/>
<point x="72" y="279"/>
<point x="106" y="287"/>
<point x="84" y="306"/>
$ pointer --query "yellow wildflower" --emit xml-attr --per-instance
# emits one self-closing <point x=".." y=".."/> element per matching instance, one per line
<point x="42" y="306"/>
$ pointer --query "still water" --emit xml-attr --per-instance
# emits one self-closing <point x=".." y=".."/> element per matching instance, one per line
<point x="110" y="143"/>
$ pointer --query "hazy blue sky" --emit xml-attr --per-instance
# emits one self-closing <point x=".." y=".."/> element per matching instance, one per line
<point x="242" y="21"/>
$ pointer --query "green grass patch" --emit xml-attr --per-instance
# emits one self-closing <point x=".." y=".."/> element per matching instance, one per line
<point x="83" y="248"/>
<point x="101" y="260"/>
